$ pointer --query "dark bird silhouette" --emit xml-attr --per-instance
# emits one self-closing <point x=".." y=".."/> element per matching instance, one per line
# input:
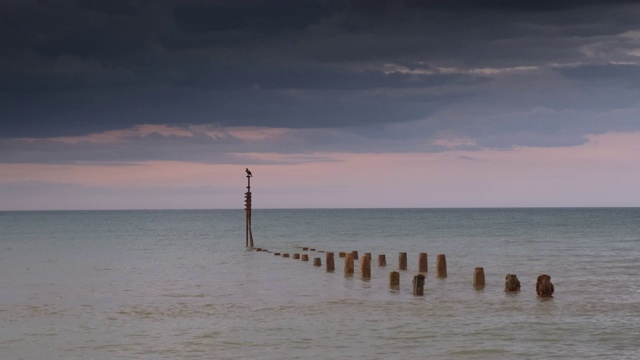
<point x="248" y="172"/>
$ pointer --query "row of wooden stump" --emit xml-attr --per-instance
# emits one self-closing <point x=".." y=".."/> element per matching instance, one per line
<point x="544" y="287"/>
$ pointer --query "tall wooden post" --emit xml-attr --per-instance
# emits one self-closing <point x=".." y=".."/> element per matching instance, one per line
<point x="247" y="208"/>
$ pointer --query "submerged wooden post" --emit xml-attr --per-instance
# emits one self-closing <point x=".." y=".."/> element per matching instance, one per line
<point x="355" y="254"/>
<point x="342" y="254"/>
<point x="317" y="262"/>
<point x="329" y="260"/>
<point x="511" y="283"/>
<point x="478" y="278"/>
<point x="422" y="263"/>
<point x="544" y="287"/>
<point x="382" y="260"/>
<point x="402" y="261"/>
<point x="394" y="279"/>
<point x="365" y="267"/>
<point x="285" y="255"/>
<point x="305" y="257"/>
<point x="296" y="256"/>
<point x="441" y="266"/>
<point x="348" y="264"/>
<point x="418" y="284"/>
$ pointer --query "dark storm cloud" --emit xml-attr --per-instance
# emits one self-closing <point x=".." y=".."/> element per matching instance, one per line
<point x="75" y="67"/>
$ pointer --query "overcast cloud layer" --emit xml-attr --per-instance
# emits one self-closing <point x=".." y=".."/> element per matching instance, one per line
<point x="221" y="80"/>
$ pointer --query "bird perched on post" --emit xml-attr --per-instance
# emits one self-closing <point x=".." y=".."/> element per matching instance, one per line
<point x="248" y="172"/>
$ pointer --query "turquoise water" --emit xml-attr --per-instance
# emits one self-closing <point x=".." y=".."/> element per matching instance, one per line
<point x="180" y="285"/>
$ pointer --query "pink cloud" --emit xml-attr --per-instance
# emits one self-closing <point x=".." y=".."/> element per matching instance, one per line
<point x="604" y="171"/>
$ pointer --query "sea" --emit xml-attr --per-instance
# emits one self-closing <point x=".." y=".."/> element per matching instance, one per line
<point x="181" y="284"/>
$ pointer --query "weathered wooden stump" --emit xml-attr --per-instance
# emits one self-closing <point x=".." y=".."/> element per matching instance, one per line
<point x="355" y="254"/>
<point x="382" y="260"/>
<point x="441" y="266"/>
<point x="312" y="249"/>
<point x="285" y="255"/>
<point x="305" y="249"/>
<point x="296" y="256"/>
<point x="368" y="254"/>
<point x="305" y="257"/>
<point x="348" y="264"/>
<point x="329" y="260"/>
<point x="511" y="283"/>
<point x="478" y="278"/>
<point x="342" y="254"/>
<point x="365" y="266"/>
<point x="258" y="249"/>
<point x="402" y="261"/>
<point x="418" y="284"/>
<point x="394" y="279"/>
<point x="422" y="263"/>
<point x="544" y="287"/>
<point x="317" y="262"/>
<point x="276" y="254"/>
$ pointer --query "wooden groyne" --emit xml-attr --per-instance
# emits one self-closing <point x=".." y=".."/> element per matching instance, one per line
<point x="544" y="287"/>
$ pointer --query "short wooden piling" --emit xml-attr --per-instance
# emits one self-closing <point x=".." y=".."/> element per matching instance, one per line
<point x="305" y="249"/>
<point x="422" y="263"/>
<point x="317" y="262"/>
<point x="418" y="284"/>
<point x="368" y="254"/>
<point x="348" y="264"/>
<point x="329" y="260"/>
<point x="312" y="249"/>
<point x="394" y="279"/>
<point x="355" y="254"/>
<point x="342" y="254"/>
<point x="441" y="266"/>
<point x="285" y="255"/>
<point x="382" y="260"/>
<point x="544" y="287"/>
<point x="258" y="249"/>
<point x="365" y="266"/>
<point x="276" y="254"/>
<point x="305" y="257"/>
<point x="478" y="278"/>
<point x="511" y="283"/>
<point x="296" y="256"/>
<point x="402" y="261"/>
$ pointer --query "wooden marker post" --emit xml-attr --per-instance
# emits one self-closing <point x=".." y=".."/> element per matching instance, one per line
<point x="296" y="256"/>
<point x="441" y="266"/>
<point x="402" y="261"/>
<point x="329" y="260"/>
<point x="305" y="257"/>
<point x="418" y="285"/>
<point x="365" y="267"/>
<point x="317" y="262"/>
<point x="422" y="263"/>
<point x="342" y="254"/>
<point x="247" y="208"/>
<point x="348" y="264"/>
<point x="382" y="260"/>
<point x="478" y="278"/>
<point x="355" y="254"/>
<point x="285" y="255"/>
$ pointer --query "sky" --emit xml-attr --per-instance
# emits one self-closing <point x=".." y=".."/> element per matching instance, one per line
<point x="331" y="104"/>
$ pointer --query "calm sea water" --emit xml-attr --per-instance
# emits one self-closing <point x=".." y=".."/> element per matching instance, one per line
<point x="181" y="285"/>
